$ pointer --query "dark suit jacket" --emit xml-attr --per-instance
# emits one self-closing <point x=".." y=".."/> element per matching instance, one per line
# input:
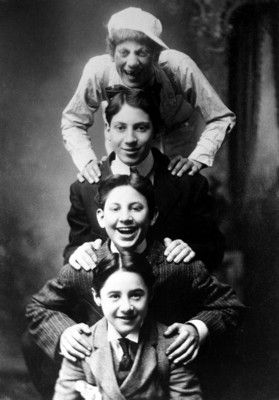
<point x="151" y="376"/>
<point x="186" y="211"/>
<point x="181" y="292"/>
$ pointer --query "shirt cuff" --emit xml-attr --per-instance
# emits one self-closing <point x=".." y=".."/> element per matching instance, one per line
<point x="201" y="328"/>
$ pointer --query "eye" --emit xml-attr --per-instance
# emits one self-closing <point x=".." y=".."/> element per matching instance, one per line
<point x="143" y="53"/>
<point x="137" y="295"/>
<point x="123" y="53"/>
<point x="114" y="296"/>
<point x="114" y="207"/>
<point x="137" y="207"/>
<point x="119" y="127"/>
<point x="143" y="127"/>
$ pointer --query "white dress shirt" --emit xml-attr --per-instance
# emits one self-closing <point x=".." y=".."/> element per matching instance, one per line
<point x="144" y="168"/>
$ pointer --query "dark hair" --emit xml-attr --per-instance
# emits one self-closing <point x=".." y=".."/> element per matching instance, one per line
<point x="130" y="262"/>
<point x="121" y="35"/>
<point x="137" y="182"/>
<point x="137" y="98"/>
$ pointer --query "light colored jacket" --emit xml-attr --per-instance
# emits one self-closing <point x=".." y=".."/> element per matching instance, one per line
<point x="145" y="380"/>
<point x="185" y="92"/>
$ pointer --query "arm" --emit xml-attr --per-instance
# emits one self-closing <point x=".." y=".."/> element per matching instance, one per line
<point x="220" y="309"/>
<point x="53" y="308"/>
<point x="219" y="120"/>
<point x="78" y="116"/>
<point x="214" y="310"/>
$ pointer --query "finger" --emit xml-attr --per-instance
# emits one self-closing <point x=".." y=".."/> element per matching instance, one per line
<point x="183" y="162"/>
<point x="172" y="245"/>
<point x="81" y="347"/>
<point x="72" y="346"/>
<point x="87" y="176"/>
<point x="85" y="261"/>
<point x="182" y="255"/>
<point x="80" y="177"/>
<point x="177" y="343"/>
<point x="186" y="357"/>
<point x="173" y="161"/>
<point x="94" y="171"/>
<point x="194" y="170"/>
<point x="73" y="262"/>
<point x="177" y="251"/>
<point x="189" y="257"/>
<point x="171" y="329"/>
<point x="83" y="328"/>
<point x="66" y="354"/>
<point x="181" y="347"/>
<point x="167" y="242"/>
<point x="184" y="168"/>
<point x="94" y="167"/>
<point x="96" y="245"/>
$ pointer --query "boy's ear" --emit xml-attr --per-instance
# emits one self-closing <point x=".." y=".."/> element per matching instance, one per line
<point x="100" y="217"/>
<point x="96" y="297"/>
<point x="154" y="218"/>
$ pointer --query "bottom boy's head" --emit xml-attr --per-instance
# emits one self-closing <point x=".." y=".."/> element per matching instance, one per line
<point x="126" y="209"/>
<point x="122" y="286"/>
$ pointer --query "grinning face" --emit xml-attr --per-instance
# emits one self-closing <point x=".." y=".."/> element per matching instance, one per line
<point x="134" y="63"/>
<point x="124" y="301"/>
<point x="125" y="217"/>
<point x="130" y="134"/>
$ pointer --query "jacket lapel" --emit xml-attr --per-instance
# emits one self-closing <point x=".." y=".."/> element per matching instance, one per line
<point x="101" y="363"/>
<point x="144" y="363"/>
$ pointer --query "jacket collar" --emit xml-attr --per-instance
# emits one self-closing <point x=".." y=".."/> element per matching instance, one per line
<point x="101" y="363"/>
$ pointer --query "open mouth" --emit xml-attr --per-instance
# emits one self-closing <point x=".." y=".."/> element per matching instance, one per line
<point x="128" y="318"/>
<point x="132" y="74"/>
<point x="127" y="230"/>
<point x="131" y="150"/>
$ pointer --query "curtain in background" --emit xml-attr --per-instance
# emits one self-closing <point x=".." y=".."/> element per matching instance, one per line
<point x="254" y="95"/>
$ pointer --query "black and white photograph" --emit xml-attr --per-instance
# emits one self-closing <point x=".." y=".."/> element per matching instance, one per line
<point x="139" y="209"/>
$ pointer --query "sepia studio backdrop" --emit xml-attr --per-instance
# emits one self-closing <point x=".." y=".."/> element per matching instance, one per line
<point x="44" y="45"/>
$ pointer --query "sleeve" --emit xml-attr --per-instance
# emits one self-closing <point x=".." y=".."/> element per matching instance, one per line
<point x="81" y="230"/>
<point x="205" y="237"/>
<point x="219" y="120"/>
<point x="78" y="116"/>
<point x="220" y="309"/>
<point x="49" y="311"/>
<point x="69" y="374"/>
<point x="183" y="383"/>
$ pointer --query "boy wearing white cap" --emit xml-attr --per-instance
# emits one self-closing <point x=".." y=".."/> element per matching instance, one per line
<point x="140" y="59"/>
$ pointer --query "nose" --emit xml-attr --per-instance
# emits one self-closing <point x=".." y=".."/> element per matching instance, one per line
<point x="132" y="61"/>
<point x="125" y="305"/>
<point x="125" y="216"/>
<point x="130" y="137"/>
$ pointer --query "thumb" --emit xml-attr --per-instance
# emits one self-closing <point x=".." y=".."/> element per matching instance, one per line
<point x="83" y="328"/>
<point x="97" y="244"/>
<point x="167" y="241"/>
<point x="171" y="329"/>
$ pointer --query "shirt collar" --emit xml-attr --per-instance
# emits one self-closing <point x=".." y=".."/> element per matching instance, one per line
<point x="144" y="168"/>
<point x="113" y="335"/>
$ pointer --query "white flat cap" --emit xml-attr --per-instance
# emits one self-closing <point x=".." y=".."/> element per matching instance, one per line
<point x="137" y="20"/>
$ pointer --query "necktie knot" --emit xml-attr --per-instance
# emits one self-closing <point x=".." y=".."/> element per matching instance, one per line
<point x="134" y="170"/>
